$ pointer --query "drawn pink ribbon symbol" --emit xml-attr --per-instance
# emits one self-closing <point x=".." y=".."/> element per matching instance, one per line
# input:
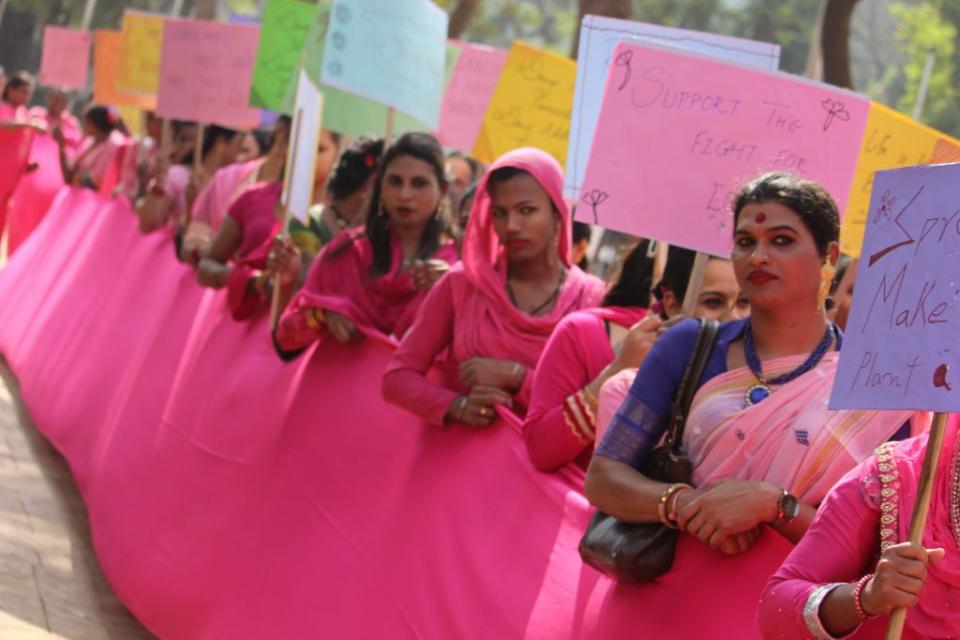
<point x="835" y="110"/>
<point x="595" y="198"/>
<point x="623" y="60"/>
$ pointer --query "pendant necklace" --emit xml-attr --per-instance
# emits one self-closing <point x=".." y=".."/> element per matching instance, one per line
<point x="761" y="390"/>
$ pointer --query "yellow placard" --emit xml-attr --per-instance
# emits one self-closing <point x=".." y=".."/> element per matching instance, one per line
<point x="531" y="105"/>
<point x="106" y="65"/>
<point x="140" y="52"/>
<point x="890" y="140"/>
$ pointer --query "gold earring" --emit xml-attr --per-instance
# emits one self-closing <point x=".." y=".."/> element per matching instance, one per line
<point x="827" y="273"/>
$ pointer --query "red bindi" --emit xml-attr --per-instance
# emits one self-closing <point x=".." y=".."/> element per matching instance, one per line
<point x="761" y="217"/>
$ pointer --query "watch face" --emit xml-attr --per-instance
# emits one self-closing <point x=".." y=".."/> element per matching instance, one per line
<point x="790" y="506"/>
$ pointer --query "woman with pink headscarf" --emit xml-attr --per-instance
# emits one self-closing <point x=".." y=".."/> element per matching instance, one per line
<point x="494" y="313"/>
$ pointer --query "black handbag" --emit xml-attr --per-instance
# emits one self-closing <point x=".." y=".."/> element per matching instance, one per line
<point x="636" y="553"/>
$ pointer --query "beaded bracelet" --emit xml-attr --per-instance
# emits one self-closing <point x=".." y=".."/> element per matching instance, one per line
<point x="858" y="597"/>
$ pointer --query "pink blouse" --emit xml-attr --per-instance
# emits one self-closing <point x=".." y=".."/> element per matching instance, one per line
<point x="254" y="211"/>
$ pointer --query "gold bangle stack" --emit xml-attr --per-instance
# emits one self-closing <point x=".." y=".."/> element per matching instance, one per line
<point x="665" y="500"/>
<point x="313" y="318"/>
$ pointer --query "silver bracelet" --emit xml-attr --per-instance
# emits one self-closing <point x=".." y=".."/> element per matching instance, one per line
<point x="811" y="611"/>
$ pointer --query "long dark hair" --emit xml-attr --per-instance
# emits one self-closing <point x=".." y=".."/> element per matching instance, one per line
<point x="17" y="80"/>
<point x="421" y="146"/>
<point x="632" y="288"/>
<point x="676" y="273"/>
<point x="103" y="118"/>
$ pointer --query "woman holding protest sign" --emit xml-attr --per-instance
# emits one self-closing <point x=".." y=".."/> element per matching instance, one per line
<point x="763" y="446"/>
<point x="349" y="188"/>
<point x="590" y="347"/>
<point x="255" y="216"/>
<point x="494" y="313"/>
<point x="850" y="570"/>
<point x="374" y="279"/>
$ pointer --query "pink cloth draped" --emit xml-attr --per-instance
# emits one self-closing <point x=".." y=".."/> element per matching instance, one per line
<point x="843" y="544"/>
<point x="68" y="124"/>
<point x="242" y="303"/>
<point x="232" y="495"/>
<point x="14" y="157"/>
<point x="36" y="189"/>
<point x="612" y="394"/>
<point x="227" y="183"/>
<point x="577" y="351"/>
<point x="9" y="113"/>
<point x="255" y="212"/>
<point x="469" y="313"/>
<point x="340" y="281"/>
<point x="111" y="166"/>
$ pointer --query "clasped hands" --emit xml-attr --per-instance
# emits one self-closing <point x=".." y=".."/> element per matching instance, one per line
<point x="491" y="382"/>
<point x="728" y="515"/>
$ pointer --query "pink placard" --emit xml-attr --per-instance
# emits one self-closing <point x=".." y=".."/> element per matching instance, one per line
<point x="65" y="60"/>
<point x="205" y="72"/>
<point x="678" y="135"/>
<point x="468" y="94"/>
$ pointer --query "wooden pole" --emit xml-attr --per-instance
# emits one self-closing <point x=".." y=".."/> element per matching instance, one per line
<point x="88" y="14"/>
<point x="924" y="84"/>
<point x="285" y="231"/>
<point x="694" y="283"/>
<point x="921" y="508"/>
<point x="660" y="261"/>
<point x="3" y="10"/>
<point x="388" y="138"/>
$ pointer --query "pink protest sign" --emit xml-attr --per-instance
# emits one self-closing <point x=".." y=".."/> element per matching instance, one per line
<point x="205" y="72"/>
<point x="902" y="345"/>
<point x="468" y="94"/>
<point x="678" y="134"/>
<point x="65" y="60"/>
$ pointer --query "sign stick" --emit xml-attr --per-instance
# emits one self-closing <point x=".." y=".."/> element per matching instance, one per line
<point x="88" y="14"/>
<point x="285" y="231"/>
<point x="388" y="138"/>
<point x="921" y="508"/>
<point x="694" y="283"/>
<point x="660" y="261"/>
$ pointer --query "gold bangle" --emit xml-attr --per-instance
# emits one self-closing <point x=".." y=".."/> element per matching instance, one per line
<point x="311" y="317"/>
<point x="665" y="498"/>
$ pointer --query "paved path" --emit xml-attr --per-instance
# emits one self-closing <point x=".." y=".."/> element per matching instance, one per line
<point x="51" y="586"/>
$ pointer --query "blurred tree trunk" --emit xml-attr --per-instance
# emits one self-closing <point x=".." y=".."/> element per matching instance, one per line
<point x="460" y="18"/>
<point x="622" y="9"/>
<point x="835" y="42"/>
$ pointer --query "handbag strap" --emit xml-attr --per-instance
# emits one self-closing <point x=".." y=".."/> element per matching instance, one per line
<point x="706" y="338"/>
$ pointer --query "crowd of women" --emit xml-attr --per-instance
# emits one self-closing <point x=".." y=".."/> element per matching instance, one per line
<point x="796" y="514"/>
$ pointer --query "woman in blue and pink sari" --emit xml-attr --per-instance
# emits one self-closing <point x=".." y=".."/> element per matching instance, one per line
<point x="764" y="446"/>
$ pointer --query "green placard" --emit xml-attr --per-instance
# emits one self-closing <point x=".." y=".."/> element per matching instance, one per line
<point x="282" y="32"/>
<point x="344" y="112"/>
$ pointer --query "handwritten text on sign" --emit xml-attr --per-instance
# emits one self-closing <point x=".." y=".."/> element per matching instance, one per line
<point x="678" y="134"/>
<point x="140" y="52"/>
<point x="65" y="59"/>
<point x="391" y="52"/>
<point x="599" y="37"/>
<point x="902" y="346"/>
<point x="465" y="102"/>
<point x="530" y="106"/>
<point x="205" y="72"/>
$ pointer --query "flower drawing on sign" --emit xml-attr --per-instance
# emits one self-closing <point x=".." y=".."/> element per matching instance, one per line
<point x="339" y="40"/>
<point x="835" y="110"/>
<point x="623" y="60"/>
<point x="342" y="14"/>
<point x="594" y="198"/>
<point x="335" y="68"/>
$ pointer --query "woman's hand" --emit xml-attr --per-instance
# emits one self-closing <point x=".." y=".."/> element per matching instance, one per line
<point x="57" y="135"/>
<point x="425" y="273"/>
<point x="490" y="372"/>
<point x="637" y="343"/>
<point x="283" y="260"/>
<point x="341" y="327"/>
<point x="899" y="578"/>
<point x="718" y="513"/>
<point x="477" y="409"/>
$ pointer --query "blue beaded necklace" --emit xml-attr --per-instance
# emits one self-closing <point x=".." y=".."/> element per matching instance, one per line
<point x="761" y="391"/>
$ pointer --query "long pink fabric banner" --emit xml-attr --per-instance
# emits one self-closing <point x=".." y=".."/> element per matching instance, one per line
<point x="232" y="495"/>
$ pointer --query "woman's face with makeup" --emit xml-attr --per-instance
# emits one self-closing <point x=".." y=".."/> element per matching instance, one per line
<point x="720" y="297"/>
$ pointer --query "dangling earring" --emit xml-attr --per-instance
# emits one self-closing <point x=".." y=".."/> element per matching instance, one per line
<point x="827" y="273"/>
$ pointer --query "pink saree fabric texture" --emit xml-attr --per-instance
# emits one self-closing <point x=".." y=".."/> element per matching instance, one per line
<point x="14" y="157"/>
<point x="232" y="495"/>
<point x="35" y="190"/>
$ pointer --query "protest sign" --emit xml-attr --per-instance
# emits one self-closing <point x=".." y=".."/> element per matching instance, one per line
<point x="302" y="155"/>
<point x="389" y="52"/>
<point x="599" y="36"/>
<point x="140" y="48"/>
<point x="468" y="93"/>
<point x="900" y="350"/>
<point x="65" y="59"/>
<point x="680" y="133"/>
<point x="282" y="32"/>
<point x="205" y="72"/>
<point x="106" y="65"/>
<point x="530" y="106"/>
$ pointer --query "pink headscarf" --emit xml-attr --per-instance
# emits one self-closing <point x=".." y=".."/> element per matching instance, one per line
<point x="489" y="323"/>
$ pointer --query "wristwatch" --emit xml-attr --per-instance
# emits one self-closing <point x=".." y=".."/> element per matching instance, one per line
<point x="788" y="508"/>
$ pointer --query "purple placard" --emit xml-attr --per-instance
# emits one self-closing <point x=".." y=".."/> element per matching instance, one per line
<point x="902" y="345"/>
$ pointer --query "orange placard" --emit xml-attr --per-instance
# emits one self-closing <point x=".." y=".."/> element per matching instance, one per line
<point x="106" y="66"/>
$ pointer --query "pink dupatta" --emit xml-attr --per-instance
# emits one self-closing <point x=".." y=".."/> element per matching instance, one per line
<point x="489" y="323"/>
<point x="227" y="183"/>
<point x="791" y="439"/>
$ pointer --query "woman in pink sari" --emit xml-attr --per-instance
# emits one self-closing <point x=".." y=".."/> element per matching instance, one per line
<point x="852" y="568"/>
<point x="493" y="313"/>
<point x="372" y="281"/>
<point x="14" y="100"/>
<point x="106" y="161"/>
<point x="764" y="447"/>
<point x="213" y="201"/>
<point x="56" y="116"/>
<point x="16" y="136"/>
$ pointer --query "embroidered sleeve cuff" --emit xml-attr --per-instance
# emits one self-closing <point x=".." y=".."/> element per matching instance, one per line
<point x="811" y="613"/>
